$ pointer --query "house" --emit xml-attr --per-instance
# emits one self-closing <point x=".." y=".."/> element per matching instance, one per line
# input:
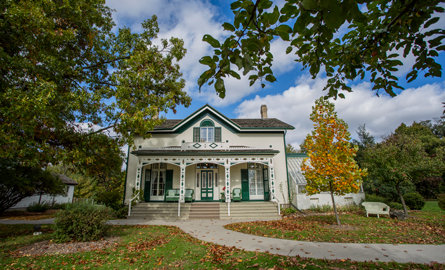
<point x="211" y="155"/>
<point x="206" y="157"/>
<point x="67" y="198"/>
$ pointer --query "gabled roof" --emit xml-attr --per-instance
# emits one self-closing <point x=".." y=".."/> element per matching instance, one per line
<point x="237" y="125"/>
<point x="65" y="179"/>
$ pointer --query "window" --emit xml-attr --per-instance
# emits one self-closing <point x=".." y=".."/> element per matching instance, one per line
<point x="207" y="132"/>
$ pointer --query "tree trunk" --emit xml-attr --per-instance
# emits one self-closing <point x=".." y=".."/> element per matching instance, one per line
<point x="40" y="198"/>
<point x="335" y="207"/>
<point x="401" y="199"/>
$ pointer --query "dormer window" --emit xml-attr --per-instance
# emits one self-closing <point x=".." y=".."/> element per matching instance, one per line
<point x="207" y="132"/>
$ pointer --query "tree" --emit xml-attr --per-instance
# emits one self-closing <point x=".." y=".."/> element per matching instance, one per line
<point x="365" y="140"/>
<point x="64" y="72"/>
<point x="290" y="148"/>
<point x="332" y="166"/>
<point x="400" y="159"/>
<point x="18" y="182"/>
<point x="379" y="33"/>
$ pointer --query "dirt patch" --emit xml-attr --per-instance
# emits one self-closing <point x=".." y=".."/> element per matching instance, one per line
<point x="341" y="227"/>
<point x="48" y="247"/>
<point x="23" y="215"/>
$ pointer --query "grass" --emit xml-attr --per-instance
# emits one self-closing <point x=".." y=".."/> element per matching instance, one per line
<point x="424" y="227"/>
<point x="432" y="206"/>
<point x="162" y="247"/>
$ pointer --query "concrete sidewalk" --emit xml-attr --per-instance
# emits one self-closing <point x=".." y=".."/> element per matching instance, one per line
<point x="213" y="231"/>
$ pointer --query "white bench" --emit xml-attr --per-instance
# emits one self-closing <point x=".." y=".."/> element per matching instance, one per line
<point x="376" y="208"/>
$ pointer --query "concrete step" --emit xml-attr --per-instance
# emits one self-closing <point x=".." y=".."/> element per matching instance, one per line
<point x="204" y="211"/>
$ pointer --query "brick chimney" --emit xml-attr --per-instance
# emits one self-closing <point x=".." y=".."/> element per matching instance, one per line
<point x="263" y="111"/>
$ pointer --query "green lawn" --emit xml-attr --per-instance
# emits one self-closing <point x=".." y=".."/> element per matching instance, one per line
<point x="424" y="227"/>
<point x="432" y="206"/>
<point x="161" y="247"/>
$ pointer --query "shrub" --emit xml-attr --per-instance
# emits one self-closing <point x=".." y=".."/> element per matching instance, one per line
<point x="441" y="198"/>
<point x="321" y="208"/>
<point x="287" y="211"/>
<point x="59" y="206"/>
<point x="397" y="206"/>
<point x="414" y="201"/>
<point x="122" y="212"/>
<point x="37" y="207"/>
<point x="374" y="198"/>
<point x="81" y="222"/>
<point x="112" y="199"/>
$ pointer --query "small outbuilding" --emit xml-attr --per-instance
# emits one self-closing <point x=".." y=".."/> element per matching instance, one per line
<point x="45" y="198"/>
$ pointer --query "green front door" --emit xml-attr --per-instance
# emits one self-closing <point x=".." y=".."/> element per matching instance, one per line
<point x="147" y="185"/>
<point x="244" y="184"/>
<point x="169" y="179"/>
<point x="206" y="185"/>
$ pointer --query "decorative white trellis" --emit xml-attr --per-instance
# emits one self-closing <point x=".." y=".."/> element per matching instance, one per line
<point x="226" y="162"/>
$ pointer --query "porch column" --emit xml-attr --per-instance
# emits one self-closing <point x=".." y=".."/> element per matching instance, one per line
<point x="137" y="185"/>
<point x="272" y="179"/>
<point x="182" y="182"/>
<point x="227" y="184"/>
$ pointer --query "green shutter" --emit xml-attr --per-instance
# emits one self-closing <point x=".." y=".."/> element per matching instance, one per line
<point x="196" y="134"/>
<point x="217" y="134"/>
<point x="245" y="184"/>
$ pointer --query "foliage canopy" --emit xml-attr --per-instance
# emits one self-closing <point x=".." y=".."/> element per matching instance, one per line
<point x="379" y="34"/>
<point x="62" y="66"/>
<point x="332" y="166"/>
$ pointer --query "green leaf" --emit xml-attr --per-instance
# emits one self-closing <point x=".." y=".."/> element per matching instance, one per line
<point x="234" y="74"/>
<point x="229" y="27"/>
<point x="270" y="78"/>
<point x="289" y="49"/>
<point x="431" y="21"/>
<point x="212" y="41"/>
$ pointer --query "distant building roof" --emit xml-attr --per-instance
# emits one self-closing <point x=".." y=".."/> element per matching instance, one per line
<point x="65" y="179"/>
<point x="294" y="162"/>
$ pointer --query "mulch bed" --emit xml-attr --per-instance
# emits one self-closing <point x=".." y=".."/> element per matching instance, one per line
<point x="48" y="247"/>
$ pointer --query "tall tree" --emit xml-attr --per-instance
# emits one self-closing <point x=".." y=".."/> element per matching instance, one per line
<point x="400" y="159"/>
<point x="63" y="72"/>
<point x="379" y="33"/>
<point x="331" y="167"/>
<point x="290" y="148"/>
<point x="365" y="140"/>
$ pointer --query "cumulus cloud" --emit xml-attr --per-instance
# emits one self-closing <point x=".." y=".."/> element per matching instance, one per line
<point x="382" y="115"/>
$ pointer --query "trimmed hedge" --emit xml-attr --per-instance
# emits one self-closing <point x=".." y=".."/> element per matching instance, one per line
<point x="375" y="198"/>
<point x="81" y="222"/>
<point x="415" y="201"/>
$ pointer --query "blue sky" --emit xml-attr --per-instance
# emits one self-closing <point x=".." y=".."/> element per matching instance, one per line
<point x="290" y="98"/>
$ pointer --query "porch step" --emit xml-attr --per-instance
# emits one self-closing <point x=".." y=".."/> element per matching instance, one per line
<point x="204" y="211"/>
<point x="249" y="210"/>
<point x="163" y="211"/>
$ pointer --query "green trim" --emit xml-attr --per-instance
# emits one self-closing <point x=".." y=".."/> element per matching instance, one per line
<point x="126" y="175"/>
<point x="197" y="153"/>
<point x="204" y="123"/>
<point x="287" y="167"/>
<point x="296" y="154"/>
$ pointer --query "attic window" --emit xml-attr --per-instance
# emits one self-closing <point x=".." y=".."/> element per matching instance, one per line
<point x="207" y="132"/>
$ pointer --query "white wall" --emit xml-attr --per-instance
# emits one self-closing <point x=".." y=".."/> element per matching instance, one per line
<point x="272" y="141"/>
<point x="46" y="199"/>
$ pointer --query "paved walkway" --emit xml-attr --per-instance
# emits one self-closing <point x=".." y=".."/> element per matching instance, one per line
<point x="213" y="231"/>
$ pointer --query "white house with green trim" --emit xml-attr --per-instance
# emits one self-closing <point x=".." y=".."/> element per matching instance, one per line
<point x="207" y="157"/>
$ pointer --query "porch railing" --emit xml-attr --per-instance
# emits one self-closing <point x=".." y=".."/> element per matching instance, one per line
<point x="278" y="202"/>
<point x="200" y="146"/>
<point x="131" y="200"/>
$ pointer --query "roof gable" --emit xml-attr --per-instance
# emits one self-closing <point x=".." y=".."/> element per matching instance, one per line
<point x="235" y="125"/>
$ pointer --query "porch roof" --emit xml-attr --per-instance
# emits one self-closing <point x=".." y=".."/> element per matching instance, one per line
<point x="177" y="152"/>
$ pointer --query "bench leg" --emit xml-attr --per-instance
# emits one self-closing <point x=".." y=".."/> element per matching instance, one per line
<point x="378" y="216"/>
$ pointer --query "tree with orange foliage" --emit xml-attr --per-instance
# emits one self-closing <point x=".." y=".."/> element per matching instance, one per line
<point x="331" y="166"/>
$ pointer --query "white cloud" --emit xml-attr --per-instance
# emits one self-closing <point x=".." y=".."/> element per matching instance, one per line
<point x="382" y="115"/>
